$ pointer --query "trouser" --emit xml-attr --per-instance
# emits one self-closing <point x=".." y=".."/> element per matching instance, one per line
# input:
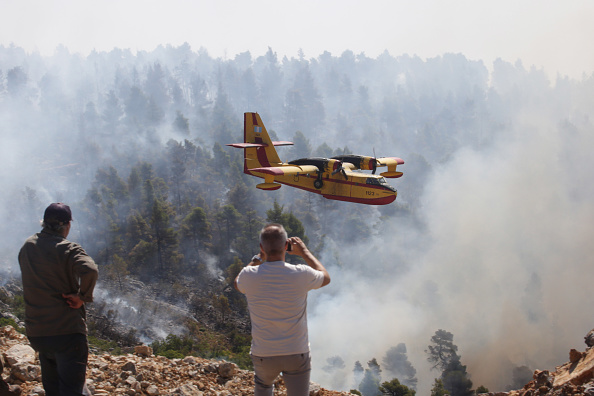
<point x="296" y="370"/>
<point x="63" y="360"/>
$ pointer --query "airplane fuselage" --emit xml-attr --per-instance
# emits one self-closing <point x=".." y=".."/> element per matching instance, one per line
<point x="359" y="188"/>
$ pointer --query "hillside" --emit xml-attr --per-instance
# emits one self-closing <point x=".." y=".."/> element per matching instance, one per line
<point x="141" y="373"/>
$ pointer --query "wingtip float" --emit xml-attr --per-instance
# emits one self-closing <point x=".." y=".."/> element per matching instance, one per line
<point x="333" y="178"/>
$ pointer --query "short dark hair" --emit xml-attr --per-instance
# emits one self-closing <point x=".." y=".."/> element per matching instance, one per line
<point x="273" y="238"/>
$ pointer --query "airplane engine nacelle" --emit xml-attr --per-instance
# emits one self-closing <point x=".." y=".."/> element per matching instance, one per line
<point x="334" y="165"/>
<point x="360" y="161"/>
<point x="368" y="163"/>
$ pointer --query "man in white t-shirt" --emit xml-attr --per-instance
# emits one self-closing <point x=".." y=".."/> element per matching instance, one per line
<point x="276" y="293"/>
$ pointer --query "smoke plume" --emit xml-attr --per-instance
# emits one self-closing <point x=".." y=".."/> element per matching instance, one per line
<point x="504" y="264"/>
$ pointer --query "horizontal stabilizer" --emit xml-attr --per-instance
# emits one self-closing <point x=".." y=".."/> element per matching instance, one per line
<point x="247" y="145"/>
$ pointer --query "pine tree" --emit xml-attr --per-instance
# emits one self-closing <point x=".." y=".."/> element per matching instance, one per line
<point x="394" y="388"/>
<point x="442" y="349"/>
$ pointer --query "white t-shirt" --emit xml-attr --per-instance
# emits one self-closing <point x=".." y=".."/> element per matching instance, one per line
<point x="277" y="300"/>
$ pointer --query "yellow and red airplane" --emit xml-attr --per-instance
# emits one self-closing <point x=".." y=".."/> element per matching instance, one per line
<point x="333" y="178"/>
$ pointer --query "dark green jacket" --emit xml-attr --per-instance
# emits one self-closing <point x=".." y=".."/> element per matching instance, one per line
<point x="51" y="266"/>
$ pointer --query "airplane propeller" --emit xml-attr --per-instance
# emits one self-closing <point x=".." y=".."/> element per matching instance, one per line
<point x="374" y="163"/>
<point x="340" y="168"/>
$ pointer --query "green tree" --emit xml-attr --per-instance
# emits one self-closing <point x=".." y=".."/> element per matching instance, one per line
<point x="396" y="363"/>
<point x="394" y="388"/>
<point x="375" y="367"/>
<point x="16" y="82"/>
<point x="301" y="146"/>
<point x="112" y="113"/>
<point x="118" y="270"/>
<point x="323" y="151"/>
<point x="228" y="220"/>
<point x="455" y="378"/>
<point x="481" y="389"/>
<point x="221" y="304"/>
<point x="136" y="106"/>
<point x="165" y="237"/>
<point x="358" y="373"/>
<point x="292" y="224"/>
<point x="248" y="243"/>
<point x="195" y="228"/>
<point x="233" y="270"/>
<point x="442" y="349"/>
<point x="370" y="384"/>
<point x="438" y="389"/>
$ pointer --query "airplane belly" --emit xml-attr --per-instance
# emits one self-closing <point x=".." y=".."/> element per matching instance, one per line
<point x="366" y="193"/>
<point x="336" y="187"/>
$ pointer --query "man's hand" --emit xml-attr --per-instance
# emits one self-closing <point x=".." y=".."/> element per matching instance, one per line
<point x="73" y="300"/>
<point x="298" y="248"/>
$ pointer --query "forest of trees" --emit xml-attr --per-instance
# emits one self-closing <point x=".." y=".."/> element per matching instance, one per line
<point x="135" y="143"/>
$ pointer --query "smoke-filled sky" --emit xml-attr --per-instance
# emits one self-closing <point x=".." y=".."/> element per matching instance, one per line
<point x="554" y="35"/>
<point x="505" y="264"/>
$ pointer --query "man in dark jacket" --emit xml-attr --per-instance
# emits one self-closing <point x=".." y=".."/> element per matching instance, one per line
<point x="58" y="278"/>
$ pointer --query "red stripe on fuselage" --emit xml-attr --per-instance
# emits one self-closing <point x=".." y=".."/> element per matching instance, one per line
<point x="366" y="201"/>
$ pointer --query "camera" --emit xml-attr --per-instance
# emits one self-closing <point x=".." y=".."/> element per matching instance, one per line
<point x="290" y="246"/>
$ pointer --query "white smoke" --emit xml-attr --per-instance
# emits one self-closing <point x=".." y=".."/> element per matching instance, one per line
<point x="504" y="265"/>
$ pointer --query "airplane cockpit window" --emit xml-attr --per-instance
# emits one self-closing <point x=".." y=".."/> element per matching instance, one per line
<point x="379" y="181"/>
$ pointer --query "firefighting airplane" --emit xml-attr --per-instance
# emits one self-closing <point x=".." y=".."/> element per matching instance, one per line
<point x="333" y="178"/>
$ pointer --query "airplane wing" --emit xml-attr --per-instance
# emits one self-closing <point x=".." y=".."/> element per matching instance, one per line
<point x="246" y="145"/>
<point x="386" y="161"/>
<point x="286" y="170"/>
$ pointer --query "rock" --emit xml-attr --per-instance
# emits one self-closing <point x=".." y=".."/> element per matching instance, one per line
<point x="19" y="354"/>
<point x="26" y="372"/>
<point x="589" y="338"/>
<point x="543" y="378"/>
<point x="139" y="374"/>
<point x="129" y="366"/>
<point x="188" y="390"/>
<point x="143" y="350"/>
<point x="226" y="369"/>
<point x="574" y="356"/>
<point x="314" y="389"/>
<point x="16" y="390"/>
<point x="189" y="360"/>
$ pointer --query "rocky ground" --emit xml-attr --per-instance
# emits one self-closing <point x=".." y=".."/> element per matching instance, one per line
<point x="576" y="377"/>
<point x="141" y="373"/>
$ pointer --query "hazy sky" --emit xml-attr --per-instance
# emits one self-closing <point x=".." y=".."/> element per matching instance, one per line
<point x="551" y="34"/>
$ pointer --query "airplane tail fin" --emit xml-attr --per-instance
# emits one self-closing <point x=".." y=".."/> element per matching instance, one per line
<point x="258" y="148"/>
